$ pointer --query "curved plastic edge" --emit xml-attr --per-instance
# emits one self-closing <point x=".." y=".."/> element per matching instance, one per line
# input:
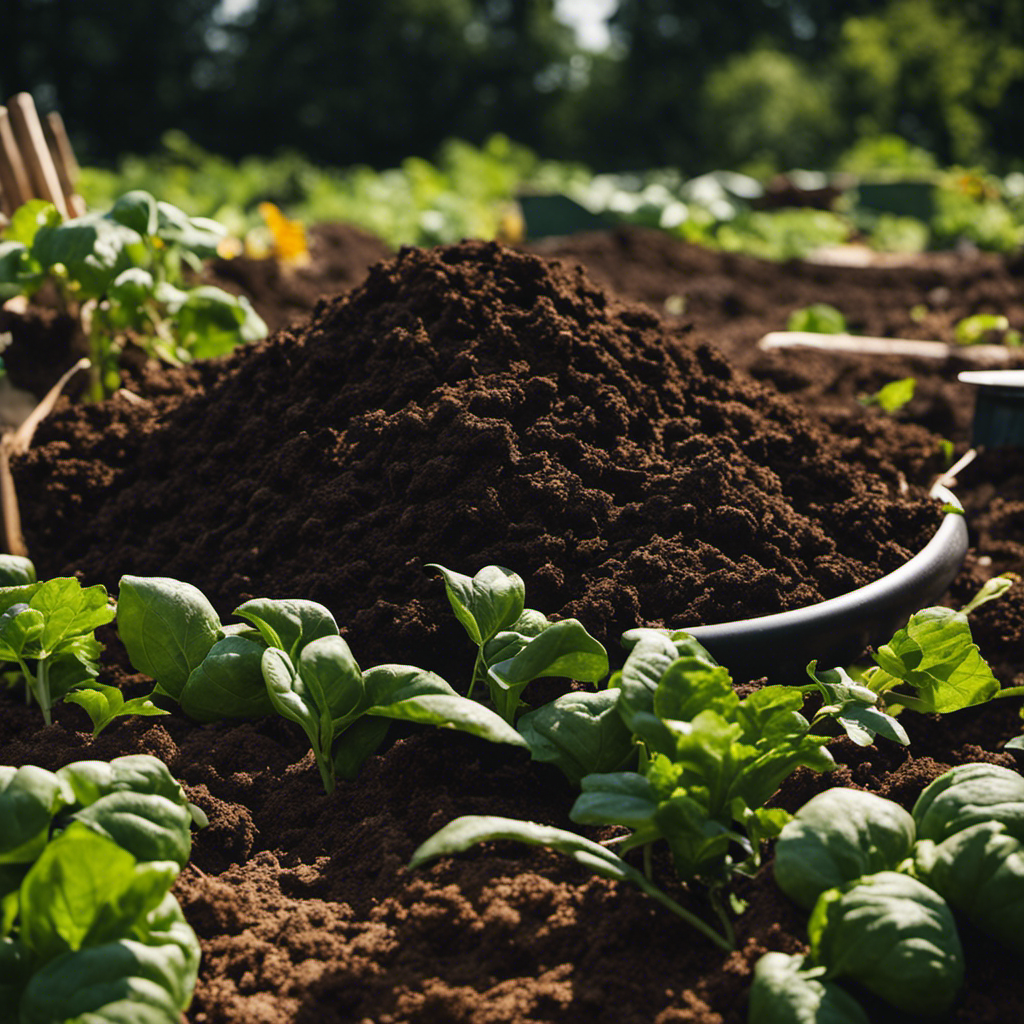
<point x="837" y="630"/>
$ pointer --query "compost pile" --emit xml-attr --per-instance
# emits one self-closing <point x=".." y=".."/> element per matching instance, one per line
<point x="475" y="405"/>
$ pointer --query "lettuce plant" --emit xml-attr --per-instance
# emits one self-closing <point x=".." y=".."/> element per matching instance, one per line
<point x="121" y="270"/>
<point x="287" y="658"/>
<point x="883" y="885"/>
<point x="48" y="630"/>
<point x="90" y="930"/>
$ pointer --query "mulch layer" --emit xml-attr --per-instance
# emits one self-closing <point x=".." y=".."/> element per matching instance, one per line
<point x="475" y="405"/>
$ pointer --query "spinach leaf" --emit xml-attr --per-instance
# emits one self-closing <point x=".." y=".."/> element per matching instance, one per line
<point x="16" y="570"/>
<point x="786" y="992"/>
<point x="580" y="733"/>
<point x="835" y="838"/>
<point x="564" y="649"/>
<point x="227" y="683"/>
<point x="936" y="656"/>
<point x="490" y="601"/>
<point x="289" y="624"/>
<point x="84" y="890"/>
<point x="980" y="872"/>
<point x="895" y="936"/>
<point x="967" y="795"/>
<point x="29" y="798"/>
<point x="105" y="703"/>
<point x="167" y="627"/>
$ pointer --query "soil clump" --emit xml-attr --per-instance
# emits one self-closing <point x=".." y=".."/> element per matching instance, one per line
<point x="472" y="405"/>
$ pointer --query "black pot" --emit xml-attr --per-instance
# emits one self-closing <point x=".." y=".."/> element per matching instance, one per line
<point x="836" y="632"/>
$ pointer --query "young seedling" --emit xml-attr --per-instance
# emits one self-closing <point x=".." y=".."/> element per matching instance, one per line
<point x="289" y="659"/>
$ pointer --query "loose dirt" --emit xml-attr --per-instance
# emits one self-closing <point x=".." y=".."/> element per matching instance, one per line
<point x="302" y="902"/>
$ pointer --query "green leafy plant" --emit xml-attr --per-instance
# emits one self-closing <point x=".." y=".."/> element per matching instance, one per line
<point x="976" y="329"/>
<point x="287" y="658"/>
<point x="48" y="629"/>
<point x="932" y="665"/>
<point x="90" y="930"/>
<point x="709" y="762"/>
<point x="821" y="318"/>
<point x="882" y="884"/>
<point x="516" y="645"/>
<point x="122" y="272"/>
<point x="893" y="396"/>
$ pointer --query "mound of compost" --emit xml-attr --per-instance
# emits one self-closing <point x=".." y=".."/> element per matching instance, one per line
<point x="470" y="405"/>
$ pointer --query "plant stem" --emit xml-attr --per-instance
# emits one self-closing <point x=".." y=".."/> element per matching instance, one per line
<point x="477" y="666"/>
<point x="1010" y="691"/>
<point x="43" y="688"/>
<point x="726" y="943"/>
<point x="648" y="862"/>
<point x="716" y="905"/>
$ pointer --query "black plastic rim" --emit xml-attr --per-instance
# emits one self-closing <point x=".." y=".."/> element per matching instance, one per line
<point x="835" y="632"/>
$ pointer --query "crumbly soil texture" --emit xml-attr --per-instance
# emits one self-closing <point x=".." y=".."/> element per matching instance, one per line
<point x="475" y="405"/>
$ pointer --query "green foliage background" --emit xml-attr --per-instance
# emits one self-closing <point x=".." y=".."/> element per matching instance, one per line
<point x="687" y="83"/>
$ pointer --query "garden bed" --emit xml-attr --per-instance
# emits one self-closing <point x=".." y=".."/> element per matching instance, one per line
<point x="336" y="459"/>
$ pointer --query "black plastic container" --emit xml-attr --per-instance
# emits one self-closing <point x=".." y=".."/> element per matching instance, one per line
<point x="836" y="632"/>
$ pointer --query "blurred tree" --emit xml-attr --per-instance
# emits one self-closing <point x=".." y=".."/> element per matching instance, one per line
<point x="764" y="111"/>
<point x="374" y="81"/>
<point x="934" y="71"/>
<point x="120" y="71"/>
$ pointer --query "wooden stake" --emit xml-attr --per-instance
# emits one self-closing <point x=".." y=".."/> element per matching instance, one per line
<point x="17" y="188"/>
<point x="859" y="345"/>
<point x="64" y="160"/>
<point x="29" y="133"/>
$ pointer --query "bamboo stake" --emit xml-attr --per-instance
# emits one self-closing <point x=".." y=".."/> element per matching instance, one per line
<point x="64" y="160"/>
<point x="859" y="345"/>
<point x="17" y="188"/>
<point x="29" y="133"/>
<point x="17" y="442"/>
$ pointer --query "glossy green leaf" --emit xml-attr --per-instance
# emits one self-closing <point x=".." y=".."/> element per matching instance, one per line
<point x="580" y="733"/>
<point x="450" y="711"/>
<point x="979" y="871"/>
<point x="818" y="318"/>
<point x="565" y="649"/>
<point x="136" y="210"/>
<point x="28" y="218"/>
<point x="148" y="826"/>
<point x="855" y="708"/>
<point x="228" y="683"/>
<point x="388" y="684"/>
<point x="92" y="248"/>
<point x="968" y="795"/>
<point x="649" y="659"/>
<point x="937" y="657"/>
<point x="893" y="396"/>
<point x="194" y="234"/>
<point x="85" y="890"/>
<point x="167" y="627"/>
<point x="211" y="322"/>
<point x="135" y="773"/>
<point x="14" y="971"/>
<point x="786" y="992"/>
<point x="329" y="670"/>
<point x="20" y="630"/>
<point x="104" y="704"/>
<point x="121" y="982"/>
<point x="288" y="623"/>
<point x="615" y="798"/>
<point x="689" y="686"/>
<point x="69" y="610"/>
<point x="895" y="936"/>
<point x="16" y="571"/>
<point x="835" y="838"/>
<point x="490" y="601"/>
<point x="29" y="798"/>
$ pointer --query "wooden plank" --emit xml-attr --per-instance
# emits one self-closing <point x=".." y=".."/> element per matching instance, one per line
<point x="17" y="188"/>
<point x="28" y="131"/>
<point x="64" y="160"/>
<point x="859" y="345"/>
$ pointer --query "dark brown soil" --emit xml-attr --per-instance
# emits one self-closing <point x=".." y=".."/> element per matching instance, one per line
<point x="334" y="451"/>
